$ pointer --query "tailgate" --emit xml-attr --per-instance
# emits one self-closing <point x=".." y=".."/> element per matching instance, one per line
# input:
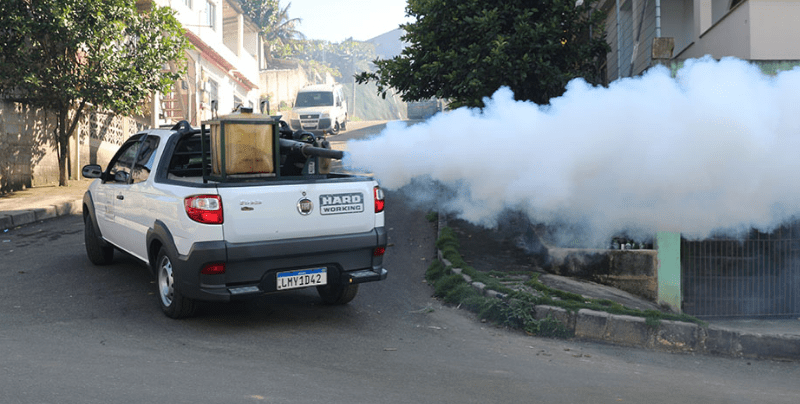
<point x="273" y="212"/>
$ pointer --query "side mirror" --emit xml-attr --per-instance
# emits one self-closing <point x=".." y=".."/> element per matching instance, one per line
<point x="122" y="176"/>
<point x="92" y="171"/>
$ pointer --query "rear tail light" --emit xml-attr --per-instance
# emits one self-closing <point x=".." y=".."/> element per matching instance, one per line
<point x="213" y="269"/>
<point x="205" y="209"/>
<point x="379" y="202"/>
<point x="378" y="251"/>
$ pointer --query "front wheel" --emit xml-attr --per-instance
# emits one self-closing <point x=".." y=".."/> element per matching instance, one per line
<point x="98" y="253"/>
<point x="172" y="302"/>
<point x="336" y="294"/>
<point x="335" y="129"/>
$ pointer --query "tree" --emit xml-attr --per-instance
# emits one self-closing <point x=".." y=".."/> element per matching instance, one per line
<point x="279" y="31"/>
<point x="284" y="29"/>
<point x="465" y="50"/>
<point x="62" y="55"/>
<point x="263" y="13"/>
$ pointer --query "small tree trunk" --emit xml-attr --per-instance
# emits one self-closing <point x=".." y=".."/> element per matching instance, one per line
<point x="63" y="133"/>
<point x="62" y="144"/>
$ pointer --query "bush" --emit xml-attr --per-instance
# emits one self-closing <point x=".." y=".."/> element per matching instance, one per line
<point x="446" y="283"/>
<point x="460" y="293"/>
<point x="435" y="271"/>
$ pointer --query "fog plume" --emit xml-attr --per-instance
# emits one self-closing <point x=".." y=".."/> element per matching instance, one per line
<point x="716" y="148"/>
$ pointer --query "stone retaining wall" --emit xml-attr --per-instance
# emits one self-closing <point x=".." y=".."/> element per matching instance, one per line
<point x="634" y="271"/>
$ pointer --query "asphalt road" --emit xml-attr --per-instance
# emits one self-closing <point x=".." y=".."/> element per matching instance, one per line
<point x="71" y="332"/>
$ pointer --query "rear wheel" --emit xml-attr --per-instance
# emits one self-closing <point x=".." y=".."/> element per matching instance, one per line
<point x="98" y="253"/>
<point x="172" y="302"/>
<point x="337" y="293"/>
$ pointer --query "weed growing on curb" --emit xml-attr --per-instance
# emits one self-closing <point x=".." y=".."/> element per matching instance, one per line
<point x="432" y="216"/>
<point x="513" y="313"/>
<point x="435" y="271"/>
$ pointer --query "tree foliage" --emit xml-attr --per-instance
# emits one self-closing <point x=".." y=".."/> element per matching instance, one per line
<point x="464" y="50"/>
<point x="281" y="37"/>
<point x="263" y="13"/>
<point x="64" y="54"/>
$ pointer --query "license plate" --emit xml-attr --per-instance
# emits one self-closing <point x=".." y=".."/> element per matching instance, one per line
<point x="302" y="278"/>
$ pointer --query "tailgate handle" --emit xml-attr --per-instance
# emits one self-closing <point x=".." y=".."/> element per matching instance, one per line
<point x="120" y="197"/>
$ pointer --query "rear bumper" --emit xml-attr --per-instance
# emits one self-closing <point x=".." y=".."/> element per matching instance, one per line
<point x="251" y="268"/>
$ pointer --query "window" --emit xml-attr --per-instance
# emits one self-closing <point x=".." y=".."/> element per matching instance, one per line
<point x="124" y="160"/>
<point x="187" y="160"/>
<point x="314" y="99"/>
<point x="213" y="91"/>
<point x="147" y="156"/>
<point x="122" y="163"/>
<point x="188" y="3"/>
<point x="211" y="15"/>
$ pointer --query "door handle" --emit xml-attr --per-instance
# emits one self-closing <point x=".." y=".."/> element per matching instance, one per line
<point x="120" y="197"/>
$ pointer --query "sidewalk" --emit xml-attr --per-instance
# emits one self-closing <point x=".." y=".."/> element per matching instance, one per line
<point x="34" y="204"/>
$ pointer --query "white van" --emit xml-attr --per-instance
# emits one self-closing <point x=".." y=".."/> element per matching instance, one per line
<point x="320" y="108"/>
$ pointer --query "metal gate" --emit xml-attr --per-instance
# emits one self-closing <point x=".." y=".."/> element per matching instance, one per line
<point x="754" y="276"/>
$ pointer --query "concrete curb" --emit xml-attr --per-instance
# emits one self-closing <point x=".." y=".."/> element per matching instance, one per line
<point x="668" y="336"/>
<point x="16" y="218"/>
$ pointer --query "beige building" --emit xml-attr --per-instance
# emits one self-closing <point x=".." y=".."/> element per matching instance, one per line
<point x="763" y="31"/>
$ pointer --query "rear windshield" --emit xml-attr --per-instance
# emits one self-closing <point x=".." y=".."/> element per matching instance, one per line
<point x="314" y="99"/>
<point x="187" y="160"/>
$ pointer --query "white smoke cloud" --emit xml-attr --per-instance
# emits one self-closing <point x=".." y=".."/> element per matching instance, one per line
<point x="717" y="147"/>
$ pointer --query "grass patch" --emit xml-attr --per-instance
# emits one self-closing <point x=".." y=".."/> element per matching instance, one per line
<point x="460" y="293"/>
<point x="446" y="283"/>
<point x="517" y="311"/>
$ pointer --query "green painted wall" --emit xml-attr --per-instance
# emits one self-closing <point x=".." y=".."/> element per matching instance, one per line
<point x="668" y="245"/>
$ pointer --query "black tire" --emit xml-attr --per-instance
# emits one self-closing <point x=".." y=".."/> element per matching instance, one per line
<point x="172" y="302"/>
<point x="98" y="253"/>
<point x="336" y="294"/>
<point x="343" y="126"/>
<point x="335" y="129"/>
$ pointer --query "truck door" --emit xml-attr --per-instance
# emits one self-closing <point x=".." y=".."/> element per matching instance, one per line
<point x="133" y="205"/>
<point x="115" y="180"/>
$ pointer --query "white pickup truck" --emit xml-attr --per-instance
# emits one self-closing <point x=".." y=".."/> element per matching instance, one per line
<point x="212" y="239"/>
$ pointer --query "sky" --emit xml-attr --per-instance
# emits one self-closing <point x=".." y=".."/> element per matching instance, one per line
<point x="337" y="20"/>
